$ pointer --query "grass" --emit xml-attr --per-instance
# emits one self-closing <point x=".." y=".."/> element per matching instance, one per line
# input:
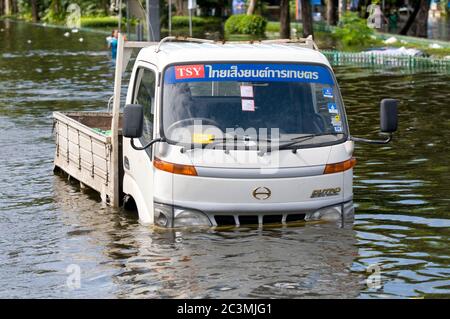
<point x="439" y="53"/>
<point x="99" y="22"/>
<point x="325" y="40"/>
<point x="208" y="22"/>
<point x="274" y="26"/>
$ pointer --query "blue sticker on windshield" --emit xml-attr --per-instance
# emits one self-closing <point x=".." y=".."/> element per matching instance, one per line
<point x="327" y="92"/>
<point x="332" y="108"/>
<point x="338" y="128"/>
<point x="248" y="73"/>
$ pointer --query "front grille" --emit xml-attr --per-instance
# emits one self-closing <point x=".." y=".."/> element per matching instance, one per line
<point x="229" y="220"/>
<point x="248" y="220"/>
<point x="272" y="219"/>
<point x="295" y="217"/>
<point x="224" y="220"/>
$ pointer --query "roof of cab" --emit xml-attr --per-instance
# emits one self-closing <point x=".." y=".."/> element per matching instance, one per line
<point x="182" y="52"/>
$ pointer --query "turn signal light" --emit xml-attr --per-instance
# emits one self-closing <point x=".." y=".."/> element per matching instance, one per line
<point x="340" y="167"/>
<point x="174" y="168"/>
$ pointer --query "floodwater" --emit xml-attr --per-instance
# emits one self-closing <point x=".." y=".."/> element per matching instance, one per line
<point x="49" y="229"/>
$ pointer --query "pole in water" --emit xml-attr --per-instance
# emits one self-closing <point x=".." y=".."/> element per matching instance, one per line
<point x="128" y="19"/>
<point x="190" y="22"/>
<point x="170" y="17"/>
<point x="192" y="4"/>
<point x="120" y="16"/>
<point x="152" y="7"/>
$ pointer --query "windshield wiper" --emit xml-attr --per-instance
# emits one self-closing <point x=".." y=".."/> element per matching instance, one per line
<point x="296" y="140"/>
<point x="236" y="138"/>
<point x="247" y="138"/>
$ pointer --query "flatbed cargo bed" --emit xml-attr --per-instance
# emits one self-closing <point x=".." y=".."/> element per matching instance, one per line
<point x="84" y="149"/>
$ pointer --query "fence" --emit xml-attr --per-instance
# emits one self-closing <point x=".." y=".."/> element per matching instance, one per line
<point x="382" y="60"/>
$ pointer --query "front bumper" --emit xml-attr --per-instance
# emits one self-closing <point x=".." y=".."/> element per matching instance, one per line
<point x="170" y="216"/>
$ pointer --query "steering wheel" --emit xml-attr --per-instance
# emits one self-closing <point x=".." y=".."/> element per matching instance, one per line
<point x="191" y="120"/>
<point x="319" y="122"/>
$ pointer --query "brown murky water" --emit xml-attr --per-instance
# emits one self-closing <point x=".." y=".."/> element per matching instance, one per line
<point x="46" y="224"/>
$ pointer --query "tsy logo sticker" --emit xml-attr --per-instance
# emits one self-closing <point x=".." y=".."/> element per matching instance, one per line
<point x="196" y="71"/>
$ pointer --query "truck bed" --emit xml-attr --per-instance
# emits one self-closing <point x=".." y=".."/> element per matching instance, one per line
<point x="84" y="149"/>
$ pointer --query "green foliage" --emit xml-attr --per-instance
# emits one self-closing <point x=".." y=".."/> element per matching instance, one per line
<point x="99" y="22"/>
<point x="273" y="26"/>
<point x="353" y="31"/>
<point x="245" y="24"/>
<point x="55" y="12"/>
<point x="183" y="22"/>
<point x="445" y="9"/>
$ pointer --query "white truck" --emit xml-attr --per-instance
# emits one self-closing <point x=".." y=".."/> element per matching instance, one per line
<point x="217" y="133"/>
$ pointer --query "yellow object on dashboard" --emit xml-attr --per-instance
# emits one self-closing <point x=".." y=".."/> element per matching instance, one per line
<point x="202" y="138"/>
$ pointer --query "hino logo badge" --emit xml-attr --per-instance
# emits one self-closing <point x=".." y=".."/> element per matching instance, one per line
<point x="261" y="193"/>
<point x="325" y="192"/>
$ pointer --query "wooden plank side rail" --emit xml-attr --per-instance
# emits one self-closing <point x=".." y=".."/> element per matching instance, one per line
<point x="90" y="156"/>
<point x="82" y="152"/>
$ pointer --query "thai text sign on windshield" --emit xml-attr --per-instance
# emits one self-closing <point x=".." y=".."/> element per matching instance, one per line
<point x="242" y="72"/>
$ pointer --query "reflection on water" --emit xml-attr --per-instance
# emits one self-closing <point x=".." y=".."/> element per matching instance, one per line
<point x="403" y="215"/>
<point x="402" y="219"/>
<point x="135" y="261"/>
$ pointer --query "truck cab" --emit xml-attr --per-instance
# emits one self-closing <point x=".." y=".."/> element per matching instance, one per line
<point x="231" y="134"/>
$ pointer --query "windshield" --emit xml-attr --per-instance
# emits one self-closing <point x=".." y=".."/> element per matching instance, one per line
<point x="203" y="103"/>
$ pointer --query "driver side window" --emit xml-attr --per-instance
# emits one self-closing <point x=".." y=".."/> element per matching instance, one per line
<point x="144" y="94"/>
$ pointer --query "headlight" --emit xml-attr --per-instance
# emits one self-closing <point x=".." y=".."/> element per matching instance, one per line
<point x="172" y="216"/>
<point x="163" y="214"/>
<point x="333" y="213"/>
<point x="188" y="217"/>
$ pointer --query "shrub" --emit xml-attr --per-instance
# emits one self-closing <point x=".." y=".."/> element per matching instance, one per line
<point x="183" y="22"/>
<point x="99" y="22"/>
<point x="245" y="24"/>
<point x="273" y="26"/>
<point x="353" y="31"/>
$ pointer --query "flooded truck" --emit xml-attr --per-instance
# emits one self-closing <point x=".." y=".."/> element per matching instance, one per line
<point x="220" y="133"/>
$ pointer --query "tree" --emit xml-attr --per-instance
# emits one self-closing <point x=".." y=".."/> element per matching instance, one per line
<point x="7" y="7"/>
<point x="307" y="20"/>
<point x="34" y="10"/>
<point x="332" y="11"/>
<point x="285" y="20"/>
<point x="105" y="6"/>
<point x="421" y="23"/>
<point x="252" y="7"/>
<point x="14" y="7"/>
<point x="178" y="7"/>
<point x="56" y="6"/>
<point x="418" y="21"/>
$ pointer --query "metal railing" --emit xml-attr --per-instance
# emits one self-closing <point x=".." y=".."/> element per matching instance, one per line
<point x="305" y="42"/>
<point x="383" y="60"/>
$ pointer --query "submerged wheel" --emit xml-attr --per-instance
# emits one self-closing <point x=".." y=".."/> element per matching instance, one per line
<point x="129" y="204"/>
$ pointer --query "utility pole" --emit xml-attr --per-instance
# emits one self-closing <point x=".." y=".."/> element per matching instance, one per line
<point x="192" y="4"/>
<point x="128" y="19"/>
<point x="120" y="16"/>
<point x="154" y="33"/>
<point x="343" y="7"/>
<point x="170" y="17"/>
<point x="7" y="7"/>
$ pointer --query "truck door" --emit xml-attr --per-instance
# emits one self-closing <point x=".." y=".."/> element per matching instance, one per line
<point x="138" y="166"/>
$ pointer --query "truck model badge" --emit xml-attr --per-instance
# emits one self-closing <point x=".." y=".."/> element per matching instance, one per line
<point x="325" y="192"/>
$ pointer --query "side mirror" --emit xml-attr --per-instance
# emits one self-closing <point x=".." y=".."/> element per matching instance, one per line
<point x="388" y="115"/>
<point x="133" y="121"/>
